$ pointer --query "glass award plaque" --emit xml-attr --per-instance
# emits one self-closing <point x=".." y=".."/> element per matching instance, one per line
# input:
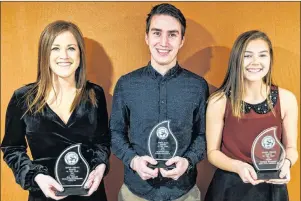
<point x="162" y="145"/>
<point x="267" y="154"/>
<point x="72" y="171"/>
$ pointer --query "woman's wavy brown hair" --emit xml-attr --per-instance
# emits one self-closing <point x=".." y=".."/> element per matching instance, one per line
<point x="37" y="95"/>
<point x="233" y="84"/>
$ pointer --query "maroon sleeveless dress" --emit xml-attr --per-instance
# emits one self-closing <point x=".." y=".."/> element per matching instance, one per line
<point x="237" y="140"/>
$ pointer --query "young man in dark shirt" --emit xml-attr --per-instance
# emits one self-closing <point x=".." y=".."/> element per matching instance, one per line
<point x="161" y="93"/>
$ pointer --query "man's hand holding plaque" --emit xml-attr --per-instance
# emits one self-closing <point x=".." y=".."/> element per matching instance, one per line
<point x="140" y="165"/>
<point x="181" y="165"/>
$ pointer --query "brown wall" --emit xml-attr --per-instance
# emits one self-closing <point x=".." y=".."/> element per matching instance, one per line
<point x="114" y="36"/>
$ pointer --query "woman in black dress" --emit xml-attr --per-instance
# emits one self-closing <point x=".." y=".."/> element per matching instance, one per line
<point x="58" y="110"/>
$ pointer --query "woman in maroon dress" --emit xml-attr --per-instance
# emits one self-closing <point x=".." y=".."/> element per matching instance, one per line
<point x="246" y="104"/>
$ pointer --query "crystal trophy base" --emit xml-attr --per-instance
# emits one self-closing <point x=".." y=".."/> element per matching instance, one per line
<point x="161" y="164"/>
<point x="72" y="191"/>
<point x="266" y="175"/>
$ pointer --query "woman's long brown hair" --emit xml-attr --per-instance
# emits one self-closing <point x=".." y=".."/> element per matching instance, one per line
<point x="233" y="84"/>
<point x="37" y="95"/>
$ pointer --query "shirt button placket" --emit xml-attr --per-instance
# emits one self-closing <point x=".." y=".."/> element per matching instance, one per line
<point x="163" y="95"/>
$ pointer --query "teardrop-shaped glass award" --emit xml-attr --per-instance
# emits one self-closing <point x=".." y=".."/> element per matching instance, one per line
<point x="162" y="144"/>
<point x="72" y="171"/>
<point x="268" y="154"/>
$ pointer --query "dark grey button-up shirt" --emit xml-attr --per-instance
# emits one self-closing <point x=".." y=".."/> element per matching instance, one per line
<point x="142" y="99"/>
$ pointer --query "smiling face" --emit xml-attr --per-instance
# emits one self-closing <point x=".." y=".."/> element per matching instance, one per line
<point x="64" y="55"/>
<point x="256" y="62"/>
<point x="164" y="40"/>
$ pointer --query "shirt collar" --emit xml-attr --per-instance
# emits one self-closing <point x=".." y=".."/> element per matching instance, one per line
<point x="170" y="73"/>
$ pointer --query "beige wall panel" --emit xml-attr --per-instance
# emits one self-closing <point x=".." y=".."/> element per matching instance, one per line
<point x="114" y="36"/>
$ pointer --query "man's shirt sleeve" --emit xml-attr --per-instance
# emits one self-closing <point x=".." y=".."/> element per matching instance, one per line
<point x="119" y="123"/>
<point x="197" y="150"/>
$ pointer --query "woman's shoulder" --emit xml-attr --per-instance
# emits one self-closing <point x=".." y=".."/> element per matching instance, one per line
<point x="22" y="91"/>
<point x="217" y="103"/>
<point x="97" y="88"/>
<point x="286" y="95"/>
<point x="218" y="99"/>
<point x="288" y="99"/>
<point x="95" y="93"/>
